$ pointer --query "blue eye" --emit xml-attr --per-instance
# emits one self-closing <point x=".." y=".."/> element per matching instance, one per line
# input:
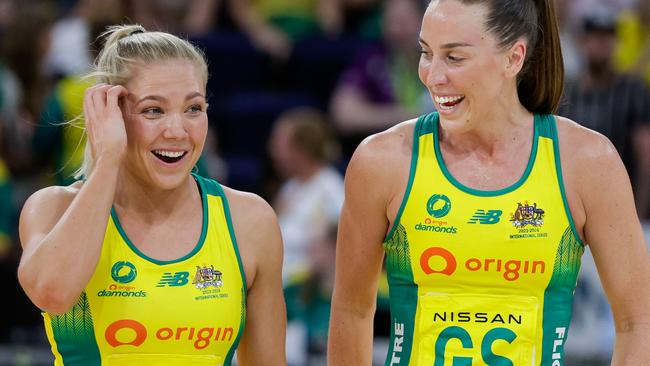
<point x="195" y="109"/>
<point x="152" y="111"/>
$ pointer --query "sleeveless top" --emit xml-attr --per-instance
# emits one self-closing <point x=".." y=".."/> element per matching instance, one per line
<point x="141" y="311"/>
<point x="482" y="277"/>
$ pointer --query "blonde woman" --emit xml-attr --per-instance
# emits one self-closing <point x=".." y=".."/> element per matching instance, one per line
<point x="143" y="262"/>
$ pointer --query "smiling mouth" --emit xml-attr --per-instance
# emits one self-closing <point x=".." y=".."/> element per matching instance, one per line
<point x="169" y="157"/>
<point x="448" y="103"/>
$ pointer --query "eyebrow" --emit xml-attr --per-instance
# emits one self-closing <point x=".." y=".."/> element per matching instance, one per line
<point x="448" y="45"/>
<point x="163" y="99"/>
<point x="456" y="45"/>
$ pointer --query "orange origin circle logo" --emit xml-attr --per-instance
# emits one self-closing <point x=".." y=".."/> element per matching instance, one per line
<point x="449" y="258"/>
<point x="137" y="327"/>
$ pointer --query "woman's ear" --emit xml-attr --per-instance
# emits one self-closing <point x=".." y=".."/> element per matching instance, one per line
<point x="515" y="57"/>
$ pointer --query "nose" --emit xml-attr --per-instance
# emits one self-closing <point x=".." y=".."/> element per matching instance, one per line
<point x="174" y="127"/>
<point x="436" y="73"/>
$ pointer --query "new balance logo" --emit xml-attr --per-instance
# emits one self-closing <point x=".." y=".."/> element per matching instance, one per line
<point x="173" y="280"/>
<point x="483" y="217"/>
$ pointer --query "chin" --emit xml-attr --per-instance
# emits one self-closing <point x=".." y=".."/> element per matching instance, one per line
<point x="169" y="181"/>
<point x="458" y="123"/>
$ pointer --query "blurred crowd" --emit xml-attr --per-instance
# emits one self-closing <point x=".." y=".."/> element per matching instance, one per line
<point x="295" y="86"/>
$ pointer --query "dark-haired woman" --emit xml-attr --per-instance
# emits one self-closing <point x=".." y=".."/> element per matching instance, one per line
<point x="484" y="230"/>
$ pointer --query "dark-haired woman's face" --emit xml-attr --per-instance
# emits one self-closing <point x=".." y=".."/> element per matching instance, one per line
<point x="460" y="64"/>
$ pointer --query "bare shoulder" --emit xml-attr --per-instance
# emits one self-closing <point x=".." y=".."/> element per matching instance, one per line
<point x="53" y="199"/>
<point x="248" y="208"/>
<point x="592" y="168"/>
<point x="45" y="207"/>
<point x="584" y="149"/>
<point x="380" y="154"/>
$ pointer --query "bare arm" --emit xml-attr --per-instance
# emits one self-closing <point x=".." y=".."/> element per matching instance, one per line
<point x="64" y="229"/>
<point x="370" y="187"/>
<point x="261" y="248"/>
<point x="613" y="231"/>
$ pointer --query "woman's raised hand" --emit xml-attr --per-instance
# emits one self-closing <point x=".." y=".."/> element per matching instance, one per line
<point x="105" y="122"/>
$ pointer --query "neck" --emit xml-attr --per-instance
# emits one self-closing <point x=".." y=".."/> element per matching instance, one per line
<point x="504" y="124"/>
<point x="151" y="203"/>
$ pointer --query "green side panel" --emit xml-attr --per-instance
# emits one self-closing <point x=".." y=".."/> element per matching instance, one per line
<point x="74" y="334"/>
<point x="403" y="295"/>
<point x="398" y="257"/>
<point x="558" y="297"/>
<point x="212" y="187"/>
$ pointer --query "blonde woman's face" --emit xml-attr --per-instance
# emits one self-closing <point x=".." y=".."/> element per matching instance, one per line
<point x="166" y="121"/>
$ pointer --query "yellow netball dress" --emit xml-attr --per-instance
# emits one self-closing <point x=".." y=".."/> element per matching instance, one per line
<point x="140" y="311"/>
<point x="482" y="278"/>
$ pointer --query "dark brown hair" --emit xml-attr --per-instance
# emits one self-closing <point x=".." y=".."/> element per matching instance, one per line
<point x="541" y="81"/>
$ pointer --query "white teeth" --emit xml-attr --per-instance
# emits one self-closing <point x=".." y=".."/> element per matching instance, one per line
<point x="170" y="154"/>
<point x="443" y="100"/>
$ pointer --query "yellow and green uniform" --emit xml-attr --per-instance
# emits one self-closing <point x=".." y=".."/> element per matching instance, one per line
<point x="140" y="311"/>
<point x="482" y="277"/>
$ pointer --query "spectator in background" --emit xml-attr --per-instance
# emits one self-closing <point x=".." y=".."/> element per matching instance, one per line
<point x="614" y="104"/>
<point x="273" y="25"/>
<point x="19" y="327"/>
<point x="581" y="8"/>
<point x="7" y="223"/>
<point x="309" y="200"/>
<point x="57" y="145"/>
<point x="72" y="35"/>
<point x="617" y="106"/>
<point x="633" y="55"/>
<point x="24" y="45"/>
<point x="192" y="17"/>
<point x="382" y="85"/>
<point x="309" y="299"/>
<point x="567" y="26"/>
<point x="633" y="50"/>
